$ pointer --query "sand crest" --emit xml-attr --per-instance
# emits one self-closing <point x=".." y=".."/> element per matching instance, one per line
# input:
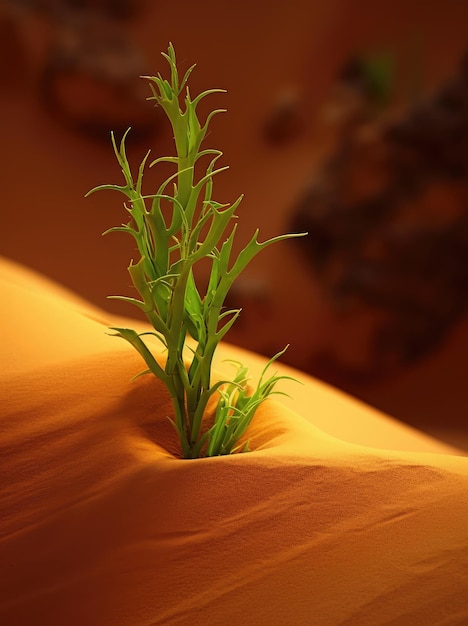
<point x="101" y="524"/>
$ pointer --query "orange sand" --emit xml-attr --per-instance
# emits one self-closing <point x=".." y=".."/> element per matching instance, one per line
<point x="340" y="515"/>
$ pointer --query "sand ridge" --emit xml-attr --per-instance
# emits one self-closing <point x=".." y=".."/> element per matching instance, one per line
<point x="101" y="524"/>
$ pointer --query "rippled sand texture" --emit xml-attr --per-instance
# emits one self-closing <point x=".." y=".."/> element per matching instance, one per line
<point x="339" y="515"/>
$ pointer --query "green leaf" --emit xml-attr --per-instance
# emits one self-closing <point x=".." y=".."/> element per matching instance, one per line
<point x="135" y="340"/>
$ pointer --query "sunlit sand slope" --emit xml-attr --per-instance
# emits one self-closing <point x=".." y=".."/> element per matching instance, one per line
<point x="101" y="524"/>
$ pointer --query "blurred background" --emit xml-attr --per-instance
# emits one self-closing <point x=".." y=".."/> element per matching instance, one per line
<point x="346" y="118"/>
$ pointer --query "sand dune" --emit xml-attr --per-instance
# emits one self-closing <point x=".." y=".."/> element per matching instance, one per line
<point x="339" y="515"/>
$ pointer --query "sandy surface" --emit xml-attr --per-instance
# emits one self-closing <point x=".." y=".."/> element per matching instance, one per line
<point x="102" y="525"/>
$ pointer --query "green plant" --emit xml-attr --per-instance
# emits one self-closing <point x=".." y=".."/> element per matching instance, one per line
<point x="174" y="229"/>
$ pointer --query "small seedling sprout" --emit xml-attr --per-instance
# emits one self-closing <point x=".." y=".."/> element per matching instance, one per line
<point x="188" y="324"/>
